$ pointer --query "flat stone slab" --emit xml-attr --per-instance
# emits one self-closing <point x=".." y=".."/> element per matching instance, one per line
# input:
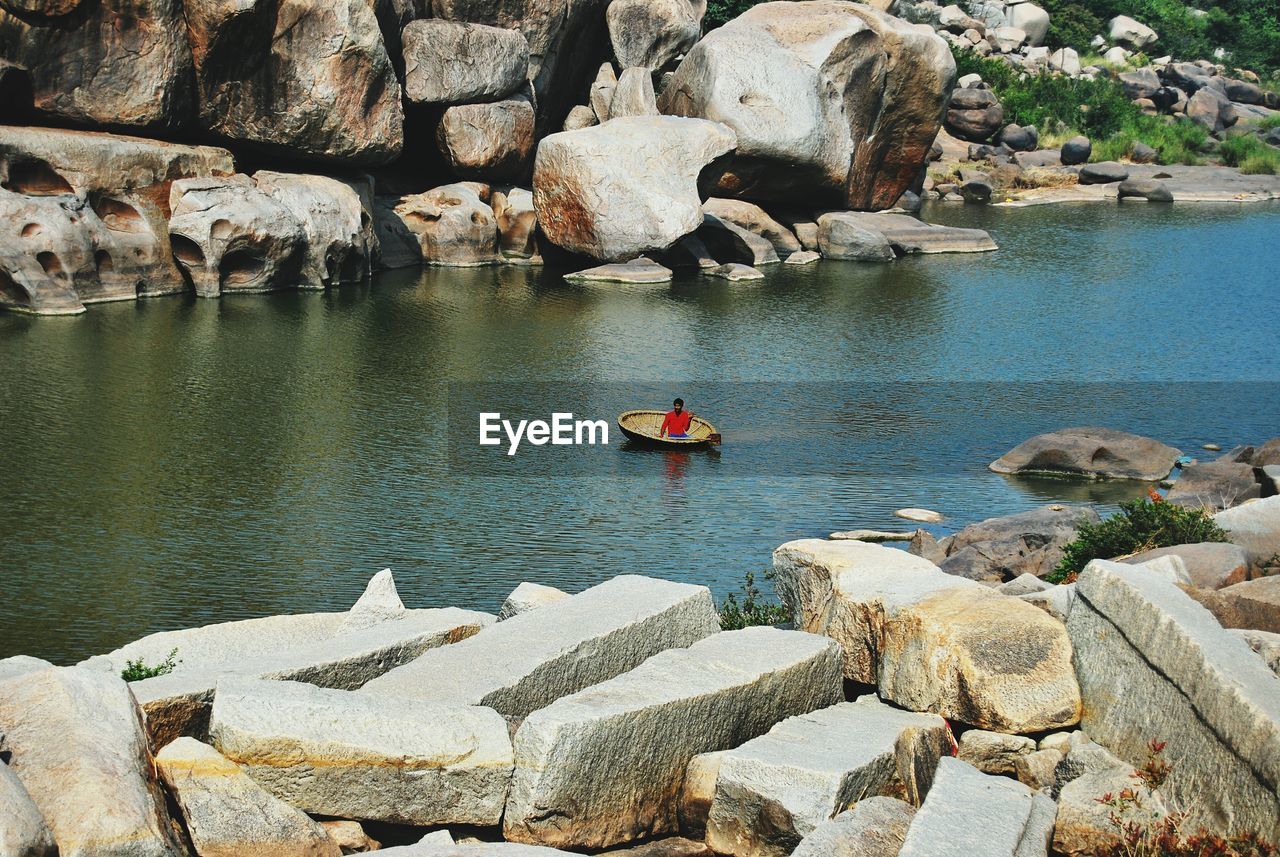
<point x="972" y="814"/>
<point x="931" y="641"/>
<point x="528" y="661"/>
<point x="1185" y="183"/>
<point x="605" y="765"/>
<point x="734" y="272"/>
<point x="228" y="814"/>
<point x="1211" y="565"/>
<point x="1155" y="665"/>
<point x="77" y="744"/>
<point x="472" y="849"/>
<point x="875" y="827"/>
<point x="774" y="790"/>
<point x="907" y="234"/>
<point x="1090" y="452"/>
<point x="640" y="270"/>
<point x="333" y="752"/>
<point x="318" y="648"/>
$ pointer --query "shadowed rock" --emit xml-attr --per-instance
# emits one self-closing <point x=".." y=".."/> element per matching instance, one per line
<point x="875" y="827"/>
<point x="528" y="661"/>
<point x="332" y="752"/>
<point x="604" y="766"/>
<point x="652" y="33"/>
<point x="1000" y="549"/>
<point x="729" y="242"/>
<point x="838" y="103"/>
<point x="1090" y="453"/>
<point x="627" y="187"/>
<point x="337" y="222"/>
<point x="23" y="832"/>
<point x="517" y="224"/>
<point x="756" y="220"/>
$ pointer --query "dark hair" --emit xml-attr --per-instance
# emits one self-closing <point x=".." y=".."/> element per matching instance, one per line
<point x="679" y="402"/>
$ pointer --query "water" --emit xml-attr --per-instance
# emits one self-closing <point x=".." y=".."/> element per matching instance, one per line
<point x="179" y="461"/>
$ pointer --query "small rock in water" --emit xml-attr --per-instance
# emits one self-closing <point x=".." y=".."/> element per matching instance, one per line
<point x="1212" y="447"/>
<point x="873" y="536"/>
<point x="640" y="270"/>
<point x="734" y="272"/>
<point x="803" y="257"/>
<point x="924" y="516"/>
<point x="1150" y="190"/>
<point x="1102" y="173"/>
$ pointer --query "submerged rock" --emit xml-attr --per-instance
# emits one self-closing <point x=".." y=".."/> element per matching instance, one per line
<point x="734" y="272"/>
<point x="640" y="270"/>
<point x="716" y="694"/>
<point x="627" y="187"/>
<point x="1091" y="453"/>
<point x="838" y="104"/>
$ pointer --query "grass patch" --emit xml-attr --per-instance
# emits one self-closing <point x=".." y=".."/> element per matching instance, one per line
<point x="1175" y="141"/>
<point x="1250" y="154"/>
<point x="753" y="610"/>
<point x="138" y="670"/>
<point x="1140" y="525"/>
<point x="1266" y="123"/>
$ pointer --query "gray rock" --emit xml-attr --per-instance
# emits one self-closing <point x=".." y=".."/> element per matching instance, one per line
<point x="307" y="78"/>
<point x="627" y="187"/>
<point x="1255" y="527"/>
<point x="23" y="832"/>
<point x="350" y="837"/>
<point x="1007" y="39"/>
<point x="228" y="814"/>
<point x="451" y="226"/>
<point x="907" y="234"/>
<point x="529" y="596"/>
<point x="874" y="827"/>
<point x="1005" y="548"/>
<point x="581" y="116"/>
<point x="1210" y="108"/>
<point x="1076" y="151"/>
<point x="976" y="192"/>
<point x="1252" y="604"/>
<point x="1024" y="584"/>
<point x="1091" y="453"/>
<point x="1057" y="601"/>
<point x="754" y="219"/>
<point x="634" y="94"/>
<point x="1148" y="189"/>
<point x="517" y="224"/>
<point x="1139" y="83"/>
<point x="21" y="665"/>
<point x="1031" y="19"/>
<point x="1211" y="565"/>
<point x="808" y="126"/>
<point x="474" y="848"/>
<point x="1020" y="138"/>
<point x="1214" y="485"/>
<point x="1266" y="644"/>
<point x="1136" y="35"/>
<point x="971" y="814"/>
<point x="729" y="242"/>
<point x="841" y="235"/>
<point x="1141" y="153"/>
<point x="802" y="257"/>
<point x="602" y="90"/>
<point x="1103" y="173"/>
<point x="716" y="694"/>
<point x="337" y="225"/>
<point x="777" y="789"/>
<point x="641" y="270"/>
<point x="652" y="33"/>
<point x="1084" y="826"/>
<point x="1154" y="665"/>
<point x="734" y="272"/>
<point x="929" y="640"/>
<point x="336" y="650"/>
<point x="102" y="63"/>
<point x="76" y="742"/>
<point x="994" y="752"/>
<point x="493" y="142"/>
<point x="337" y="753"/>
<point x="1037" y="769"/>
<point x="1065" y="60"/>
<point x="528" y="661"/>
<point x="697" y="791"/>
<point x="974" y="114"/>
<point x="447" y="62"/>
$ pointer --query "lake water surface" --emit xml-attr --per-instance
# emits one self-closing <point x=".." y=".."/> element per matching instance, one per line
<point x="180" y="461"/>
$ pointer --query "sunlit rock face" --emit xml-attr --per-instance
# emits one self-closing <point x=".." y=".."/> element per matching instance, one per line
<point x="837" y="103"/>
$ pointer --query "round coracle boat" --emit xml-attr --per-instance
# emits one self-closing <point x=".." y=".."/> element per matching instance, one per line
<point x="643" y="426"/>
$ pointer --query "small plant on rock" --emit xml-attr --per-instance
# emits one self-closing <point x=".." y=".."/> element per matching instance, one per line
<point x="138" y="670"/>
<point x="1140" y="525"/>
<point x="753" y="610"/>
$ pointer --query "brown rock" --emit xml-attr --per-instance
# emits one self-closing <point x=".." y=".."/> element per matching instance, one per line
<point x="652" y="33"/>
<point x="447" y="62"/>
<point x="452" y="225"/>
<point x="1211" y="565"/>
<point x="492" y="142"/>
<point x="974" y="114"/>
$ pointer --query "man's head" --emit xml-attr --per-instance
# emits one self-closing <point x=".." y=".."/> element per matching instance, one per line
<point x="678" y="404"/>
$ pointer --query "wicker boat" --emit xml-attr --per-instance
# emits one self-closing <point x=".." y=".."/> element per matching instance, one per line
<point x="644" y="426"/>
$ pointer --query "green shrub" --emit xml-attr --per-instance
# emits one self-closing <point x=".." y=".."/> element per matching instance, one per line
<point x="138" y="670"/>
<point x="721" y="12"/>
<point x="753" y="610"/>
<point x="1268" y="122"/>
<point x="1072" y="26"/>
<point x="1140" y="525"/>
<point x="1250" y="154"/>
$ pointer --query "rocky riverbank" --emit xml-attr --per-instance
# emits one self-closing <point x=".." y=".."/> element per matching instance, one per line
<point x="943" y="699"/>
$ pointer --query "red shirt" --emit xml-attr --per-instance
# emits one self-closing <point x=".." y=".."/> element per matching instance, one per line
<point x="674" y="423"/>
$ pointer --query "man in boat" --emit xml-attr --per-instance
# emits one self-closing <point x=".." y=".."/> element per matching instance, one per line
<point x="676" y="423"/>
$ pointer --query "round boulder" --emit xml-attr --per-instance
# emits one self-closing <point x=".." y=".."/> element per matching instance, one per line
<point x="1148" y="189"/>
<point x="1076" y="150"/>
<point x="1103" y="173"/>
<point x="974" y="114"/>
<point x="1020" y="138"/>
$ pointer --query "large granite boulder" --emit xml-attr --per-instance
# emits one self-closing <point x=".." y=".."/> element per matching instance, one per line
<point x="528" y="661"/>
<point x="634" y="95"/>
<point x="1155" y="666"/>
<point x="298" y="78"/>
<point x="874" y="827"/>
<point x="774" y="790"/>
<point x="1001" y="549"/>
<point x="972" y="814"/>
<point x="1084" y="826"/>
<point x="838" y="105"/>
<point x="604" y="765"/>
<point x="1210" y="565"/>
<point x="1031" y="19"/>
<point x="336" y="650"/>
<point x="931" y="641"/>
<point x="333" y="752"/>
<point x="974" y="115"/>
<point x="447" y="62"/>
<point x="74" y="737"/>
<point x="627" y="187"/>
<point x="119" y="63"/>
<point x="1255" y="527"/>
<point x="126" y="182"/>
<point x="23" y="832"/>
<point x="730" y="243"/>
<point x="651" y="33"/>
<point x="228" y="815"/>
<point x="449" y="225"/>
<point x="1215" y="485"/>
<point x="1253" y="604"/>
<point x="492" y="141"/>
<point x="994" y="752"/>
<point x="1091" y="453"/>
<point x="1133" y="33"/>
<point x="337" y="222"/>
<point x="567" y="40"/>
